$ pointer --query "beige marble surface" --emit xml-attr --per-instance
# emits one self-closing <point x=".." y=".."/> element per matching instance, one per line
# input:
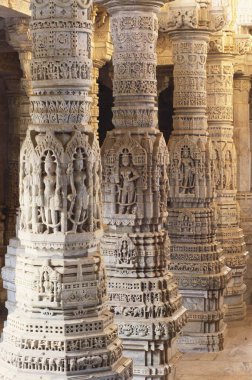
<point x="233" y="363"/>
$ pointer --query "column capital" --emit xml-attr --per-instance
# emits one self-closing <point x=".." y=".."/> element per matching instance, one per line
<point x="242" y="83"/>
<point x="103" y="47"/>
<point x="114" y="6"/>
<point x="243" y="43"/>
<point x="192" y="15"/>
<point x="222" y="42"/>
<point x="18" y="33"/>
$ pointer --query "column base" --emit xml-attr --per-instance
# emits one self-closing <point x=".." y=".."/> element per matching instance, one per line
<point x="9" y="272"/>
<point x="202" y="342"/>
<point x="235" y="312"/>
<point x="146" y="352"/>
<point x="119" y="372"/>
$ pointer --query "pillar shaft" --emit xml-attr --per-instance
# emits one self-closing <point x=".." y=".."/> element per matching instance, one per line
<point x="242" y="85"/>
<point x="143" y="293"/>
<point x="196" y="257"/>
<point x="224" y="168"/>
<point x="60" y="327"/>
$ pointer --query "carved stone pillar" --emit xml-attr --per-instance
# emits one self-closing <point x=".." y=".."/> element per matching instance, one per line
<point x="242" y="86"/>
<point x="197" y="260"/>
<point x="242" y="139"/>
<point x="102" y="53"/>
<point x="60" y="327"/>
<point x="224" y="164"/>
<point x="12" y="194"/>
<point x="143" y="293"/>
<point x="18" y="36"/>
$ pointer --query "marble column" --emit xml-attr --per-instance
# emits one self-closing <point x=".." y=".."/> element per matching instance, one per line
<point x="196" y="256"/>
<point x="102" y="53"/>
<point x="220" y="72"/>
<point x="242" y="139"/>
<point x="143" y="293"/>
<point x="242" y="85"/>
<point x="18" y="36"/>
<point x="60" y="327"/>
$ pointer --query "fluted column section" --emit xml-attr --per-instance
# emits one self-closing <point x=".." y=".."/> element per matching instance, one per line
<point x="224" y="169"/>
<point x="60" y="327"/>
<point x="196" y="256"/>
<point x="142" y="291"/>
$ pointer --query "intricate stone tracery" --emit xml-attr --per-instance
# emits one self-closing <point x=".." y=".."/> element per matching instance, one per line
<point x="142" y="291"/>
<point x="60" y="327"/>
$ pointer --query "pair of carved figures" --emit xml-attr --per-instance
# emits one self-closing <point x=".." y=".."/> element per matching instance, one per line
<point x="59" y="188"/>
<point x="223" y="170"/>
<point x="190" y="169"/>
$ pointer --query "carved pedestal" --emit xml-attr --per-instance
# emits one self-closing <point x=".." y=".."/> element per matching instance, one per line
<point x="224" y="163"/>
<point x="59" y="327"/>
<point x="142" y="291"/>
<point x="196" y="256"/>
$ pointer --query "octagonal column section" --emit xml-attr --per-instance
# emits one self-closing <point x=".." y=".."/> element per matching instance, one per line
<point x="60" y="327"/>
<point x="196" y="256"/>
<point x="142" y="291"/>
<point x="224" y="168"/>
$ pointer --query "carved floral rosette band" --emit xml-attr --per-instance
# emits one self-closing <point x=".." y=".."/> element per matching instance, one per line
<point x="60" y="326"/>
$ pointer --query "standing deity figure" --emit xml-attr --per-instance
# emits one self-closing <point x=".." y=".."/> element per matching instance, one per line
<point x="187" y="172"/>
<point x="127" y="186"/>
<point x="52" y="195"/>
<point x="46" y="285"/>
<point x="36" y="196"/>
<point x="79" y="197"/>
<point x="228" y="171"/>
<point x="216" y="170"/>
<point x="26" y="197"/>
<point x="97" y="193"/>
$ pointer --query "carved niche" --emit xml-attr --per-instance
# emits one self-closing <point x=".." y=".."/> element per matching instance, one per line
<point x="59" y="183"/>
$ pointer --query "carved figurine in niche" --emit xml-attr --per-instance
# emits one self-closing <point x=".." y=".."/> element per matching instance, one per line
<point x="187" y="172"/>
<point x="26" y="196"/>
<point x="47" y="286"/>
<point x="79" y="196"/>
<point x="126" y="253"/>
<point x="97" y="193"/>
<point x="164" y="189"/>
<point x="50" y="283"/>
<point x="128" y="175"/>
<point x="36" y="197"/>
<point x="52" y="204"/>
<point x="216" y="170"/>
<point x="228" y="177"/>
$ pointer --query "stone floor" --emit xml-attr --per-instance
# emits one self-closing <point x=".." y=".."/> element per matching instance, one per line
<point x="233" y="363"/>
